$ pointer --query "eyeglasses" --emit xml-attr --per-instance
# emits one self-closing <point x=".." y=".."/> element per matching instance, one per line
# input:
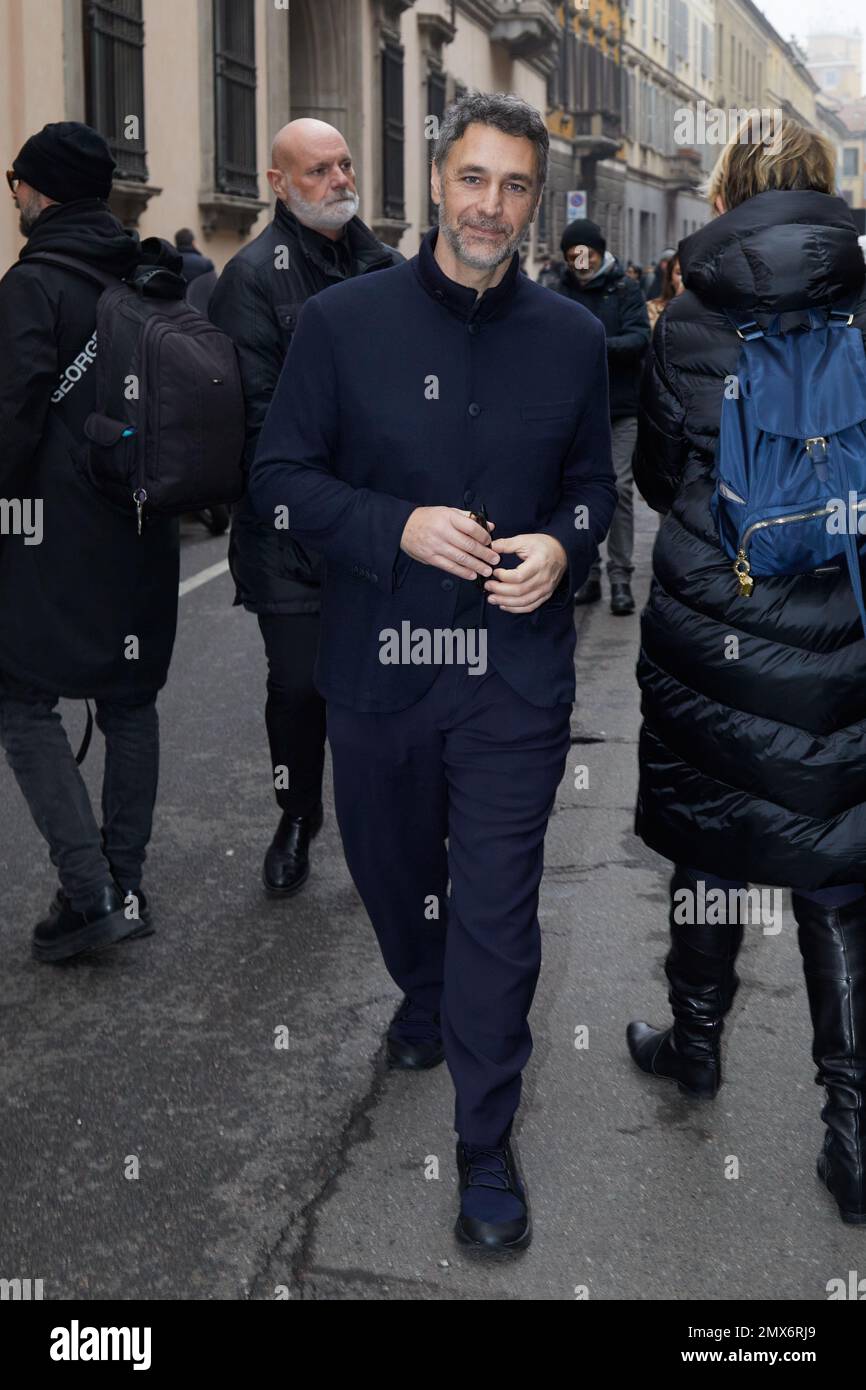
<point x="13" y="180"/>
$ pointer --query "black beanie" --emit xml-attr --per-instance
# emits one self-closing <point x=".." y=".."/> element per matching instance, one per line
<point x="582" y="232"/>
<point x="66" y="161"/>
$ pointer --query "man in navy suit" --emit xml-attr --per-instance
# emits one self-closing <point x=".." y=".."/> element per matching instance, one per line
<point x="440" y="434"/>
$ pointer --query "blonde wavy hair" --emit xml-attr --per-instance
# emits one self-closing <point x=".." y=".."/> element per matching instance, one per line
<point x="765" y="154"/>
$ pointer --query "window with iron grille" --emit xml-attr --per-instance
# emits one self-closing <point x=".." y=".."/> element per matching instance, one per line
<point x="393" y="134"/>
<point x="234" y="24"/>
<point x="114" y="81"/>
<point x="435" y="107"/>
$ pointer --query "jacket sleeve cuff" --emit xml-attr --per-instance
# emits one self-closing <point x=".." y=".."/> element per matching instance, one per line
<point x="390" y="563"/>
<point x="578" y="551"/>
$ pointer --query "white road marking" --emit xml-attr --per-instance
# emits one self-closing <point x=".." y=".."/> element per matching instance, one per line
<point x="186" y="586"/>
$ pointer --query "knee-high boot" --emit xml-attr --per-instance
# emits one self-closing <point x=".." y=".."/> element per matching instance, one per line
<point x="703" y="982"/>
<point x="833" y="946"/>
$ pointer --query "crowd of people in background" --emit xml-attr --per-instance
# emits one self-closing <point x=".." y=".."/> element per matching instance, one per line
<point x="749" y="769"/>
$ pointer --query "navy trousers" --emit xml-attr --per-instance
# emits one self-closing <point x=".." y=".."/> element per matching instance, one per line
<point x="474" y="764"/>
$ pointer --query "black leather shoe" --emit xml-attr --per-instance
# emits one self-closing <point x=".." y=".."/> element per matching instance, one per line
<point x="703" y="983"/>
<point x="494" y="1208"/>
<point x="621" y="600"/>
<point x="589" y="592"/>
<point x="287" y="862"/>
<point x="414" y="1039"/>
<point x="64" y="934"/>
<point x="138" y="914"/>
<point x="833" y="946"/>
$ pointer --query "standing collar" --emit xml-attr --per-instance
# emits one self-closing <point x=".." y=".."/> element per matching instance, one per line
<point x="462" y="299"/>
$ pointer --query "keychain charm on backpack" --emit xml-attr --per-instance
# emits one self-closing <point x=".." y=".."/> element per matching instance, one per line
<point x="741" y="570"/>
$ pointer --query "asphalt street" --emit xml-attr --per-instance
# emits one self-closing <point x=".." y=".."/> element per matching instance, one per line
<point x="157" y="1143"/>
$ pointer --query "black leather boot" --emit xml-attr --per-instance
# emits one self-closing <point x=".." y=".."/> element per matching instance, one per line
<point x="589" y="591"/>
<point x="287" y="862"/>
<point x="833" y="946"/>
<point x="64" y="933"/>
<point x="138" y="912"/>
<point x="414" y="1039"/>
<point x="703" y="982"/>
<point x="621" y="598"/>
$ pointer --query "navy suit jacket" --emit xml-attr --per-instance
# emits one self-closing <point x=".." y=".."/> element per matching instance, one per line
<point x="404" y="389"/>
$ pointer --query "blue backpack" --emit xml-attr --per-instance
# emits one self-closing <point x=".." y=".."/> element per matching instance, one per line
<point x="790" y="470"/>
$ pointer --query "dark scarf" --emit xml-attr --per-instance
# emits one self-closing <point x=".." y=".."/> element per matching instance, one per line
<point x="88" y="230"/>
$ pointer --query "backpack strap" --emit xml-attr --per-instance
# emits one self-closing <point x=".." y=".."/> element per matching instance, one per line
<point x="746" y="325"/>
<point x="88" y="735"/>
<point x="841" y="315"/>
<point x="82" y="268"/>
<point x="852" y="555"/>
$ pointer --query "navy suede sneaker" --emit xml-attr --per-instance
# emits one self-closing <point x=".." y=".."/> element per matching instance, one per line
<point x="494" y="1208"/>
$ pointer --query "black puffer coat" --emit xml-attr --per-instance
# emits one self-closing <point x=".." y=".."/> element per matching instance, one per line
<point x="257" y="302"/>
<point x="755" y="767"/>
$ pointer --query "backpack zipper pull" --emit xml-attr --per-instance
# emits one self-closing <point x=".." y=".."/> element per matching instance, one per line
<point x="139" y="497"/>
<point x="741" y="570"/>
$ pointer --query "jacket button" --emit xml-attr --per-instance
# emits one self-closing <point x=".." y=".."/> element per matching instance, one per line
<point x="447" y="583"/>
<point x="467" y="497"/>
<point x="473" y="329"/>
<point x="440" y="294"/>
<point x="474" y="409"/>
<point x="375" y="578"/>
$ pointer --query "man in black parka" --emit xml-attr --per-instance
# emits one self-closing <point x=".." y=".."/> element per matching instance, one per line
<point x="593" y="277"/>
<point x="87" y="607"/>
<point x="315" y="240"/>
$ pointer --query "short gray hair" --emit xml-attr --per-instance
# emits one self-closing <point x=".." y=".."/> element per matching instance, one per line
<point x="505" y="112"/>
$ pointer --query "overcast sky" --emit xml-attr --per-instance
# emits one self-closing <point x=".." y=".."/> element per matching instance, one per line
<point x="799" y="17"/>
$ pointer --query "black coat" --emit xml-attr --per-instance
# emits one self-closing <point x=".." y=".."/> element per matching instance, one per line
<point x="617" y="300"/>
<point x="69" y="604"/>
<point x="195" y="264"/>
<point x="257" y="302"/>
<point x="753" y="767"/>
<point x="355" y="441"/>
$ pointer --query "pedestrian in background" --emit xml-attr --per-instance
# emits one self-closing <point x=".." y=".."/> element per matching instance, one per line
<point x="634" y="273"/>
<point x="654" y="275"/>
<point x="199" y="271"/>
<point x="593" y="277"/>
<point x="315" y="239"/>
<point x="548" y="275"/>
<point x="194" y="263"/>
<point x="672" y="285"/>
<point x="70" y="599"/>
<point x="752" y="769"/>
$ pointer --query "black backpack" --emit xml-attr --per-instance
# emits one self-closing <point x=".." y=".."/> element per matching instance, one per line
<point x="168" y="431"/>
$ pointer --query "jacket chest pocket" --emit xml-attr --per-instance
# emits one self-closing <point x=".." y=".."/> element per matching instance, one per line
<point x="287" y="320"/>
<point x="548" y="426"/>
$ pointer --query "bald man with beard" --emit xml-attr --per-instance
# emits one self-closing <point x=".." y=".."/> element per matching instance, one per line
<point x="315" y="239"/>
